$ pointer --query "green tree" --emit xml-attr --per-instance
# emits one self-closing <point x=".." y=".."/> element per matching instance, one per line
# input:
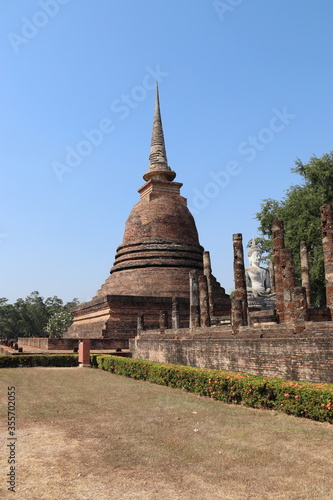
<point x="300" y="211"/>
<point x="58" y="323"/>
<point x="74" y="302"/>
<point x="8" y="319"/>
<point x="29" y="317"/>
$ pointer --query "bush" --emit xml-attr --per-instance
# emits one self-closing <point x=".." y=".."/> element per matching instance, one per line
<point x="301" y="399"/>
<point x="17" y="361"/>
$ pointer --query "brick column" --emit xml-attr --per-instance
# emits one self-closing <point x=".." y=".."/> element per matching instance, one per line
<point x="194" y="300"/>
<point x="84" y="352"/>
<point x="278" y="245"/>
<point x="288" y="283"/>
<point x="326" y="213"/>
<point x="175" y="313"/>
<point x="207" y="268"/>
<point x="299" y="306"/>
<point x="239" y="275"/>
<point x="163" y="321"/>
<point x="272" y="275"/>
<point x="237" y="316"/>
<point x="290" y="300"/>
<point x="305" y="272"/>
<point x="140" y="323"/>
<point x="203" y="301"/>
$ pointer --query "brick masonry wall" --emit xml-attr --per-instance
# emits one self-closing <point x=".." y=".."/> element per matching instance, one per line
<point x="307" y="356"/>
<point x="67" y="344"/>
<point x="124" y="311"/>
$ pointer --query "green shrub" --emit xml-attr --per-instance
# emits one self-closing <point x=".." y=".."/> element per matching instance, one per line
<point x="301" y="399"/>
<point x="66" y="360"/>
<point x="9" y="361"/>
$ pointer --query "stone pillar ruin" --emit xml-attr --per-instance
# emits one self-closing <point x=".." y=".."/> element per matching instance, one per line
<point x="175" y="314"/>
<point x="305" y="272"/>
<point x="272" y="275"/>
<point x="140" y="323"/>
<point x="288" y="282"/>
<point x="203" y="301"/>
<point x="163" y="321"/>
<point x="237" y="315"/>
<point x="194" y="300"/>
<point x="290" y="300"/>
<point x="278" y="245"/>
<point x="326" y="213"/>
<point x="240" y="282"/>
<point x="84" y="352"/>
<point x="207" y="268"/>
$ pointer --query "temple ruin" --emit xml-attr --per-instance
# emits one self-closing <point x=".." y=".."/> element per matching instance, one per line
<point x="162" y="302"/>
<point x="150" y="274"/>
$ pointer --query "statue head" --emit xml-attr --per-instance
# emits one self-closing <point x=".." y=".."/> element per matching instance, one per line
<point x="254" y="254"/>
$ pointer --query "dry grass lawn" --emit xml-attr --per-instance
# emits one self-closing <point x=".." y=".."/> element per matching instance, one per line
<point x="85" y="434"/>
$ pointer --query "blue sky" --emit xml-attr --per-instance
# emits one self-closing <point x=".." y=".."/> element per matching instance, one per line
<point x="245" y="89"/>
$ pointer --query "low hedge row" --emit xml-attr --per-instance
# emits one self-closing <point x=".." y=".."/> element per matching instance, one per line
<point x="39" y="360"/>
<point x="301" y="399"/>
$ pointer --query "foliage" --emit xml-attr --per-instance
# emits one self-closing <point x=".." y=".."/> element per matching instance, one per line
<point x="29" y="317"/>
<point x="301" y="399"/>
<point x="30" y="360"/>
<point x="58" y="323"/>
<point x="300" y="211"/>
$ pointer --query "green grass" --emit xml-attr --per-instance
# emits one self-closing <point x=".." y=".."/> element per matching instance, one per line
<point x="88" y="434"/>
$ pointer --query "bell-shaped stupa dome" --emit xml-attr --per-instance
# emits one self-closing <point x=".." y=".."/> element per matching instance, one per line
<point x="160" y="244"/>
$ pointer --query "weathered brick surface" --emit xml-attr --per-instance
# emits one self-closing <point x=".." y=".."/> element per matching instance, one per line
<point x="159" y="248"/>
<point x="124" y="311"/>
<point x="69" y="343"/>
<point x="278" y="245"/>
<point x="194" y="299"/>
<point x="239" y="305"/>
<point x="204" y="301"/>
<point x="319" y="314"/>
<point x="327" y="239"/>
<point x="89" y="319"/>
<point x="305" y="272"/>
<point x="271" y="351"/>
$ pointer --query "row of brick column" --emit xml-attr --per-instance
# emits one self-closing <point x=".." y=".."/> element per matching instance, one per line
<point x="292" y="302"/>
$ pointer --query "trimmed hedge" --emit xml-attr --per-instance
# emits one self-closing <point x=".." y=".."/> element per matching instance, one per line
<point x="302" y="399"/>
<point x="39" y="360"/>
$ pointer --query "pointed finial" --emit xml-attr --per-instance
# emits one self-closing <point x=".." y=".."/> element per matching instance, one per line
<point x="158" y="163"/>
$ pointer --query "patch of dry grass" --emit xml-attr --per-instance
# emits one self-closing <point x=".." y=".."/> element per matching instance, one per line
<point x="85" y="434"/>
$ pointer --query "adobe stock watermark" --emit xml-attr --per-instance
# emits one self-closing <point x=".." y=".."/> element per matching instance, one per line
<point x="30" y="27"/>
<point x="121" y="109"/>
<point x="248" y="148"/>
<point x="222" y="7"/>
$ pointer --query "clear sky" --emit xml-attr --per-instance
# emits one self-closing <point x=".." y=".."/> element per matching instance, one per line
<point x="245" y="89"/>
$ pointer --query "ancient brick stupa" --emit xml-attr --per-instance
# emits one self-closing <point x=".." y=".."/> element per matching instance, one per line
<point x="151" y="270"/>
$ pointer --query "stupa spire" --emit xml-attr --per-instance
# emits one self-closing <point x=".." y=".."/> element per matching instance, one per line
<point x="158" y="162"/>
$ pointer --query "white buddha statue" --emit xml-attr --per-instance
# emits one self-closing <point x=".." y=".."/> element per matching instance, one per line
<point x="257" y="277"/>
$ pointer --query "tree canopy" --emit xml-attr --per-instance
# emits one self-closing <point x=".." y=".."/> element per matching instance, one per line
<point x="300" y="212"/>
<point x="29" y="317"/>
<point x="58" y="323"/>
